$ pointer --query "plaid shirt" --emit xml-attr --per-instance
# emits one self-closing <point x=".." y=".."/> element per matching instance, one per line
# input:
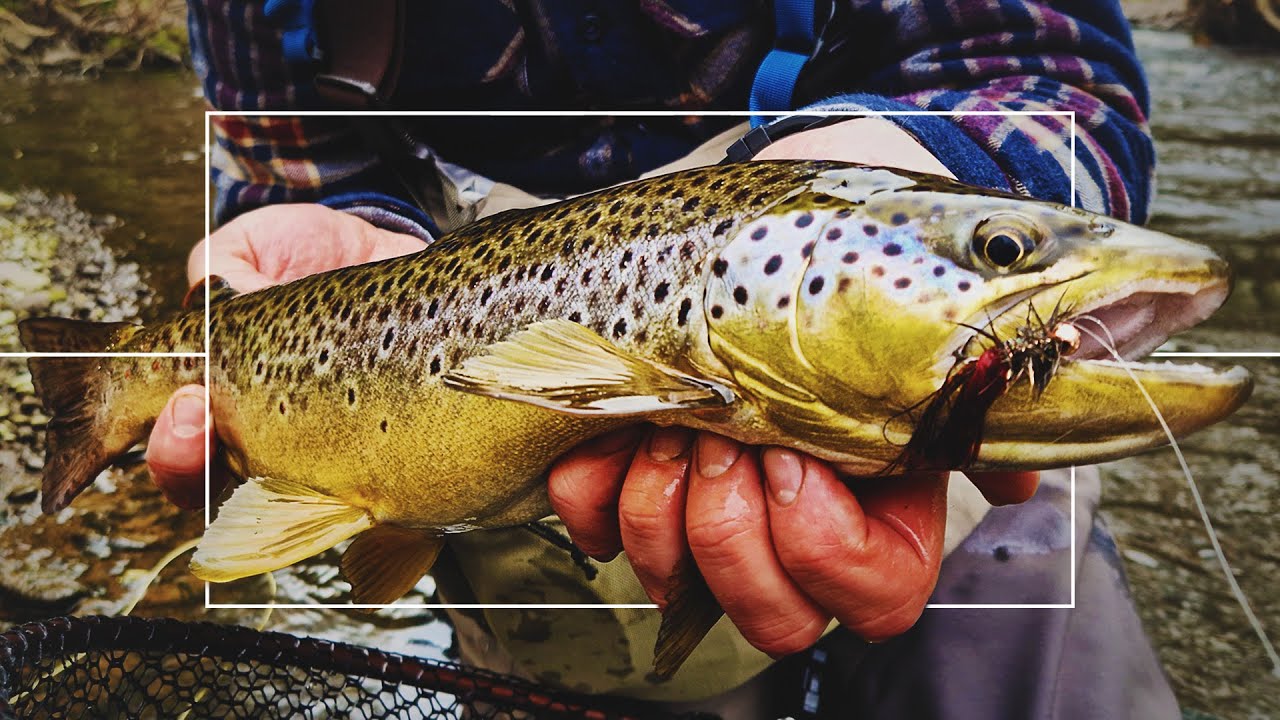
<point x="881" y="55"/>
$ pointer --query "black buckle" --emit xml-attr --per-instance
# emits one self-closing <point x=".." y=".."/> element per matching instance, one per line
<point x="750" y="145"/>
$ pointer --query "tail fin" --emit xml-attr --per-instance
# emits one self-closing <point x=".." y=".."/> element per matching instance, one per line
<point x="80" y="440"/>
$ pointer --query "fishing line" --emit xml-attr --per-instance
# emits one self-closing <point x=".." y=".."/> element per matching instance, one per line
<point x="1109" y="344"/>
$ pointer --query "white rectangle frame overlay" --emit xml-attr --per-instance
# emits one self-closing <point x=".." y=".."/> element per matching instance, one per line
<point x="208" y="142"/>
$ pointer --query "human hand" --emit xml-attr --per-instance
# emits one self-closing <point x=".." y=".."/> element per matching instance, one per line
<point x="264" y="247"/>
<point x="782" y="542"/>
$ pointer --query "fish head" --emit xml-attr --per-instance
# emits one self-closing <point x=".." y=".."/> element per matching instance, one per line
<point x="846" y="308"/>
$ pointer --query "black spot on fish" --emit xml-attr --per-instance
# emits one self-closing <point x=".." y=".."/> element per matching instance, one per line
<point x="384" y="313"/>
<point x="850" y="258"/>
<point x="546" y="272"/>
<point x="324" y="356"/>
<point x="964" y="285"/>
<point x="722" y="228"/>
<point x="899" y="218"/>
<point x="484" y="296"/>
<point x="685" y="306"/>
<point x="575" y="316"/>
<point x="416" y="313"/>
<point x="686" y="250"/>
<point x="637" y="211"/>
<point x="591" y="221"/>
<point x="893" y="249"/>
<point x="804" y="220"/>
<point x="807" y="250"/>
<point x="281" y="407"/>
<point x="871" y="230"/>
<point x="939" y="271"/>
<point x="388" y="338"/>
<point x="740" y="295"/>
<point x="691" y="204"/>
<point x="815" y="285"/>
<point x="877" y="270"/>
<point x="660" y="292"/>
<point x="759" y="233"/>
<point x="620" y="328"/>
<point x="615" y="207"/>
<point x="834" y="234"/>
<point x="386" y="285"/>
<point x="544" y="304"/>
<point x="433" y="308"/>
<point x="435" y="366"/>
<point x="383" y="425"/>
<point x="843" y="213"/>
<point x="844" y="284"/>
<point x="653" y="230"/>
<point x="370" y="291"/>
<point x="902" y="283"/>
<point x="621" y="294"/>
<point x="719" y="266"/>
<point x="772" y="265"/>
<point x="328" y="294"/>
<point x="784" y="301"/>
<point x="311" y="305"/>
<point x="586" y="277"/>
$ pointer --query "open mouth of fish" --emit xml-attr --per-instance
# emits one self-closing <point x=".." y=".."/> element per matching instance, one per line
<point x="1091" y="409"/>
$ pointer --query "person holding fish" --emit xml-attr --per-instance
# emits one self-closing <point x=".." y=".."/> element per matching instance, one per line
<point x="788" y="545"/>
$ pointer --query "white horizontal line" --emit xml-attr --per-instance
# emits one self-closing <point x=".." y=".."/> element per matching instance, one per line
<point x="1000" y="606"/>
<point x="626" y="113"/>
<point x="1243" y="354"/>
<point x="101" y="354"/>
<point x="429" y="606"/>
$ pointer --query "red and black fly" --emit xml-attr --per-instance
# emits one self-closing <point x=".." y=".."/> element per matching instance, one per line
<point x="948" y="433"/>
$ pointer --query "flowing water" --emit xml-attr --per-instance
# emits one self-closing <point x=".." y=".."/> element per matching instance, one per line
<point x="130" y="146"/>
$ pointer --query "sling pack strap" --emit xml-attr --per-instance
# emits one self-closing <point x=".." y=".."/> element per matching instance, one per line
<point x="363" y="44"/>
<point x="797" y="38"/>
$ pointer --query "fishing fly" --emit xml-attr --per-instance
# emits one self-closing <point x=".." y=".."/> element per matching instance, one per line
<point x="948" y="434"/>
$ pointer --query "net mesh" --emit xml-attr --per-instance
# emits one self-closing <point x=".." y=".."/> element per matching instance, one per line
<point x="104" y="667"/>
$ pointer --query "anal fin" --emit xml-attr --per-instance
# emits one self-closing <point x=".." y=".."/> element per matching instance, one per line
<point x="564" y="366"/>
<point x="386" y="561"/>
<point x="268" y="524"/>
<point x="690" y="613"/>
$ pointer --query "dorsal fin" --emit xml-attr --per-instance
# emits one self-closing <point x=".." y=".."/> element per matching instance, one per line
<point x="219" y="290"/>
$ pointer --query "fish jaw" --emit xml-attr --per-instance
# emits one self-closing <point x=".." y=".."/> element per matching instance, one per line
<point x="1093" y="412"/>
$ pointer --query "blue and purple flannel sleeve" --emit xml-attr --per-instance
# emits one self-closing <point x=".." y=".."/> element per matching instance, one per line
<point x="1003" y="56"/>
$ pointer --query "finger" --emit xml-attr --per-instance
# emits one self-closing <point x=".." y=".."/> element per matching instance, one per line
<point x="651" y="509"/>
<point x="871" y="560"/>
<point x="728" y="528"/>
<point x="583" y="486"/>
<point x="1006" y="488"/>
<point x="176" y="449"/>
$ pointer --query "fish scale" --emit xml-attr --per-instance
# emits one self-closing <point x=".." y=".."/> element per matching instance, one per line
<point x="810" y="305"/>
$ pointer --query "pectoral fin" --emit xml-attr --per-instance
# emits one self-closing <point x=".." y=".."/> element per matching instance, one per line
<point x="690" y="614"/>
<point x="564" y="366"/>
<point x="268" y="524"/>
<point x="385" y="562"/>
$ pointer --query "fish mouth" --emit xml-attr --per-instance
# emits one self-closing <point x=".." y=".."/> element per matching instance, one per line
<point x="1092" y="409"/>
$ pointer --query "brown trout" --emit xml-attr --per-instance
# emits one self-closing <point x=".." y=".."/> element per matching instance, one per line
<point x="804" y="304"/>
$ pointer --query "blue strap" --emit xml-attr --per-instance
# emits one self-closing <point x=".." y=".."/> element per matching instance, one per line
<point x="297" y="19"/>
<point x="795" y="41"/>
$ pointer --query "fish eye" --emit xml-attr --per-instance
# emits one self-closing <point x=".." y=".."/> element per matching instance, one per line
<point x="1002" y="242"/>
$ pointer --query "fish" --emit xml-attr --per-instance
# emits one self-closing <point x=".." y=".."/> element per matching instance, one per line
<point x="806" y="304"/>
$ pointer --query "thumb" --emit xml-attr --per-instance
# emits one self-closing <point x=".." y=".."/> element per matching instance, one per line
<point x="176" y="450"/>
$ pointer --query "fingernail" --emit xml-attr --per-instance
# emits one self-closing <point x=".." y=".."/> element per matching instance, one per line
<point x="188" y="415"/>
<point x="612" y="442"/>
<point x="716" y="454"/>
<point x="784" y="472"/>
<point x="669" y="443"/>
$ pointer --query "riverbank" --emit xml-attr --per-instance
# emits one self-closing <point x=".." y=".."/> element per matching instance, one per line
<point x="56" y="35"/>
